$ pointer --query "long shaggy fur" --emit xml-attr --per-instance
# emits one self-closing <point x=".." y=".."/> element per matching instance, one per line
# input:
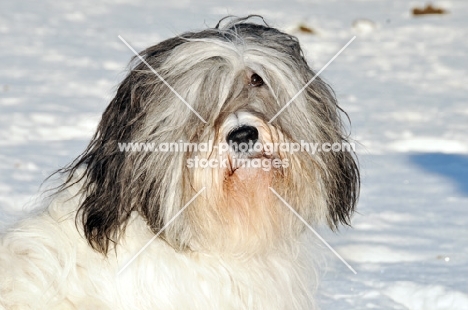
<point x="236" y="246"/>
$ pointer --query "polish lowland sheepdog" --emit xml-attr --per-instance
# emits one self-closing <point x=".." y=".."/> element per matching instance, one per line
<point x="131" y="229"/>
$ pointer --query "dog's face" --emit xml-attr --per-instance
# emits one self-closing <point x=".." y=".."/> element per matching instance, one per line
<point x="236" y="78"/>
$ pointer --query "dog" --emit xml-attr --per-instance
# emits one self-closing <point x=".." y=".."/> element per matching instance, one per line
<point x="131" y="229"/>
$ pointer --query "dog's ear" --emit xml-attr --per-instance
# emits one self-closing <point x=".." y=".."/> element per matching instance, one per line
<point x="107" y="206"/>
<point x="109" y="180"/>
<point x="340" y="172"/>
<point x="342" y="184"/>
<point x="115" y="183"/>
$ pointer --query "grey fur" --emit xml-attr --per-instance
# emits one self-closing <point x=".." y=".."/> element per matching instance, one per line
<point x="206" y="69"/>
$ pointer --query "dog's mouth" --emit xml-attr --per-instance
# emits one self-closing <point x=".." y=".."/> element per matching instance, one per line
<point x="243" y="144"/>
<point x="251" y="161"/>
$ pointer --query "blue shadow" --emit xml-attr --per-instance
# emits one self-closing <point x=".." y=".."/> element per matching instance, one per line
<point x="452" y="166"/>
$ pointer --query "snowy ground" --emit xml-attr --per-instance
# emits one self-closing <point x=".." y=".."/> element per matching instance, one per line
<point x="403" y="81"/>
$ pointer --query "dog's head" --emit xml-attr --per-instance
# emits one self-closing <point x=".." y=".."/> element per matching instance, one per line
<point x="221" y="91"/>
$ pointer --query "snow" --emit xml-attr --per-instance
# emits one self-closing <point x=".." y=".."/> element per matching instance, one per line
<point x="426" y="297"/>
<point x="403" y="82"/>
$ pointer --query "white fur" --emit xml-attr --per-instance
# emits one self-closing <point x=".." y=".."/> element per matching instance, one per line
<point x="45" y="263"/>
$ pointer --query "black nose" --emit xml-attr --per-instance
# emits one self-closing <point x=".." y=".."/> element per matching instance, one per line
<point x="243" y="134"/>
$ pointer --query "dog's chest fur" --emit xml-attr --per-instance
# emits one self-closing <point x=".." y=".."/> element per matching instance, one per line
<point x="159" y="278"/>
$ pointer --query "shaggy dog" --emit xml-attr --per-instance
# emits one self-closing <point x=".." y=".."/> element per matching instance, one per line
<point x="158" y="228"/>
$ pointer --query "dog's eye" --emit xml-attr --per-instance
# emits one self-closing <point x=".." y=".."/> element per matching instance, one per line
<point x="256" y="80"/>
